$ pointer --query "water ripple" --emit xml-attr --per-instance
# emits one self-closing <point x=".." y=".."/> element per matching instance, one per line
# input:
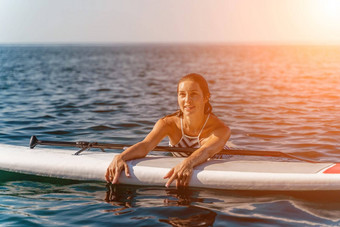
<point x="284" y="98"/>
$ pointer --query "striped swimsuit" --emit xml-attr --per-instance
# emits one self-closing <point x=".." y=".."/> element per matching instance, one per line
<point x="193" y="142"/>
<point x="188" y="141"/>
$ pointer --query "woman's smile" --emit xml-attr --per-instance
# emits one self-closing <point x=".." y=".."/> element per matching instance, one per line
<point x="189" y="108"/>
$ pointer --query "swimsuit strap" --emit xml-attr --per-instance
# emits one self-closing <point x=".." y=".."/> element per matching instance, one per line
<point x="199" y="134"/>
<point x="182" y="127"/>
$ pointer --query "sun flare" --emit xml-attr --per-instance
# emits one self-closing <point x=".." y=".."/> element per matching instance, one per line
<point x="330" y="7"/>
<point x="327" y="13"/>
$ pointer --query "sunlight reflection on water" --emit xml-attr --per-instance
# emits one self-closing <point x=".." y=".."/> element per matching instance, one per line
<point x="284" y="98"/>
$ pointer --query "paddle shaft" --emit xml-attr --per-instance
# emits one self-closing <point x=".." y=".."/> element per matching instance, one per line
<point x="87" y="145"/>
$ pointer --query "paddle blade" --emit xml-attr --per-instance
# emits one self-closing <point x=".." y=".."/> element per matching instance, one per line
<point x="33" y="141"/>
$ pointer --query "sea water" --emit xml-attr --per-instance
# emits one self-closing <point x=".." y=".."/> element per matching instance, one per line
<point x="276" y="98"/>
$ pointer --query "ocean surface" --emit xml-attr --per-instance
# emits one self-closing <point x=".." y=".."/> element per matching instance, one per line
<point x="275" y="98"/>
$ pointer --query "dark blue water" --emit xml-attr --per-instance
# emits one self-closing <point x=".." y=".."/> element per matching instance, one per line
<point x="284" y="98"/>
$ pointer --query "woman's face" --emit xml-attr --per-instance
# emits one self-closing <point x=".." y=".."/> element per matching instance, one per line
<point x="190" y="97"/>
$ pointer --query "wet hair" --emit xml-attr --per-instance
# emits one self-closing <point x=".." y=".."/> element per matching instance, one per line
<point x="204" y="87"/>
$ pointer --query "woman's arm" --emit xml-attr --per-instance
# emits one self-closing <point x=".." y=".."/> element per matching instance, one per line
<point x="139" y="150"/>
<point x="212" y="145"/>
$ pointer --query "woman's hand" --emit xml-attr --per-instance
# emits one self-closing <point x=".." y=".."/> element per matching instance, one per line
<point x="115" y="168"/>
<point x="182" y="173"/>
<point x="138" y="150"/>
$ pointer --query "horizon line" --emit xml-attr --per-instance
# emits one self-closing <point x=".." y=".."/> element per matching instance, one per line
<point x="273" y="43"/>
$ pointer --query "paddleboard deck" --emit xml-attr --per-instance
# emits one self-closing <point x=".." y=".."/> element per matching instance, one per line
<point x="226" y="174"/>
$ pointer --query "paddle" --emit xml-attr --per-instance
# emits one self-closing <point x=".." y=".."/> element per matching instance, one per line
<point x="87" y="145"/>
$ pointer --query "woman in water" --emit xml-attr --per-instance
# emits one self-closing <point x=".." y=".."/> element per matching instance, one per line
<point x="193" y="125"/>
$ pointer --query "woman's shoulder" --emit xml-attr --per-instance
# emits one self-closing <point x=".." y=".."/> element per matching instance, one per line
<point x="170" y="119"/>
<point x="215" y="126"/>
<point x="171" y="123"/>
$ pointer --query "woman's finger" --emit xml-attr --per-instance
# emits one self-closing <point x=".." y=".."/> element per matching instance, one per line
<point x="181" y="180"/>
<point x="178" y="182"/>
<point x="186" y="180"/>
<point x="127" y="170"/>
<point x="107" y="175"/>
<point x="169" y="174"/>
<point x="112" y="174"/>
<point x="116" y="175"/>
<point x="172" y="178"/>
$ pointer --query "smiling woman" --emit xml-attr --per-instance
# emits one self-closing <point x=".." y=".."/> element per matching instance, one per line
<point x="193" y="125"/>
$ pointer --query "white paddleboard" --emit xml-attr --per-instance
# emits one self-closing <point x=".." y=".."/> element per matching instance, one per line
<point x="219" y="174"/>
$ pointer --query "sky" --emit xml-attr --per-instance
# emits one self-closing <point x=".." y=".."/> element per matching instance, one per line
<point x="170" y="21"/>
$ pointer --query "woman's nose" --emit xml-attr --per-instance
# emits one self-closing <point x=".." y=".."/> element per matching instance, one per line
<point x="187" y="98"/>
